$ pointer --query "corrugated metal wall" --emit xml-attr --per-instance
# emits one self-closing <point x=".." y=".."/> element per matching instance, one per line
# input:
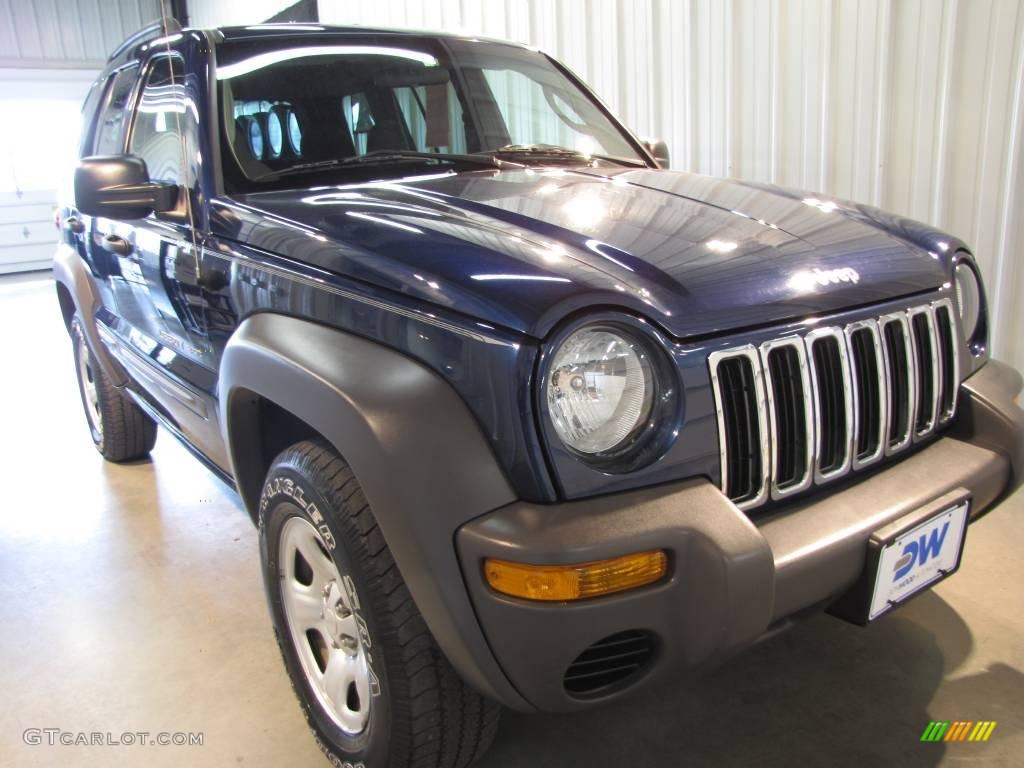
<point x="68" y="33"/>
<point x="213" y="13"/>
<point x="912" y="105"/>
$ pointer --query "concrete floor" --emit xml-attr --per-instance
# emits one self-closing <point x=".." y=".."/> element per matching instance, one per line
<point x="131" y="600"/>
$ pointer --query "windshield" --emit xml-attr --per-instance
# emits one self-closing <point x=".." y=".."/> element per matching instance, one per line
<point x="300" y="111"/>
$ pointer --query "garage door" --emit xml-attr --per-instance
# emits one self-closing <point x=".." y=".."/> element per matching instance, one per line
<point x="39" y="132"/>
<point x="27" y="233"/>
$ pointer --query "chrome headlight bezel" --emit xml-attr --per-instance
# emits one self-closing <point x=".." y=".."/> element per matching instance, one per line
<point x="966" y="281"/>
<point x="660" y="423"/>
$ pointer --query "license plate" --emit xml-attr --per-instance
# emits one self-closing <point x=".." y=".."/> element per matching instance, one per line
<point x="918" y="558"/>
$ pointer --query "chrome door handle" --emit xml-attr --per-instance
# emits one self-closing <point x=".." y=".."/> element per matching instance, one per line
<point x="118" y="245"/>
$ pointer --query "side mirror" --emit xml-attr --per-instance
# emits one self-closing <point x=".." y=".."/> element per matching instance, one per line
<point x="659" y="149"/>
<point x="118" y="187"/>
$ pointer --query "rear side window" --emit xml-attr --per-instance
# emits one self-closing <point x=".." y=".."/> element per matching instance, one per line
<point x="269" y="129"/>
<point x="114" y="117"/>
<point x="433" y="116"/>
<point x="166" y="132"/>
<point x="360" y="119"/>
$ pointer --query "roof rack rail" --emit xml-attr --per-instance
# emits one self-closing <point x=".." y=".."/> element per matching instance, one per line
<point x="156" y="29"/>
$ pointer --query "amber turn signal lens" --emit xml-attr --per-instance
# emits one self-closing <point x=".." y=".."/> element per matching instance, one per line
<point x="575" y="582"/>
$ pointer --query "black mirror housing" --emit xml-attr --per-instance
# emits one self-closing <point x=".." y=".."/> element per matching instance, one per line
<point x="119" y="187"/>
<point x="659" y="149"/>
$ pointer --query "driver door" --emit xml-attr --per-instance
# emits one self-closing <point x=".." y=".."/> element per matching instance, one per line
<point x="162" y="323"/>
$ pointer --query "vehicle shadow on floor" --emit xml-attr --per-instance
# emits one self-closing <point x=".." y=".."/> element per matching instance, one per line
<point x="823" y="693"/>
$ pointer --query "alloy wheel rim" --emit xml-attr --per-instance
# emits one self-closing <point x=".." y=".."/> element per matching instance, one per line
<point x="89" y="390"/>
<point x="323" y="626"/>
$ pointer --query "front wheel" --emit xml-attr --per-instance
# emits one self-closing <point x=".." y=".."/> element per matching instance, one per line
<point x="373" y="685"/>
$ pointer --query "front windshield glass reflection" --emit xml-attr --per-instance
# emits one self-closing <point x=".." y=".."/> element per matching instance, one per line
<point x="299" y="112"/>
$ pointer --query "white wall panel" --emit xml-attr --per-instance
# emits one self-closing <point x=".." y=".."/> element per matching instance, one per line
<point x="913" y="105"/>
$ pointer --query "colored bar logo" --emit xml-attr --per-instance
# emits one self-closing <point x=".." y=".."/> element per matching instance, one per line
<point x="959" y="730"/>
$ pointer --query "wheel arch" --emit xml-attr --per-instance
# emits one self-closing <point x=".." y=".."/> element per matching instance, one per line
<point x="259" y="430"/>
<point x="77" y="293"/>
<point x="66" y="302"/>
<point x="418" y="452"/>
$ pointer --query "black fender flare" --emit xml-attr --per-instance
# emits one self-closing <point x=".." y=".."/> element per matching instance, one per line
<point x="71" y="272"/>
<point x="417" y="451"/>
<point x="990" y="415"/>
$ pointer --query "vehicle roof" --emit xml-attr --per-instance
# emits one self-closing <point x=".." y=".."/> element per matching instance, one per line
<point x="293" y="29"/>
<point x="131" y="48"/>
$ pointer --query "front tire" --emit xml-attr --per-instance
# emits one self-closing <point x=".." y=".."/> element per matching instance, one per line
<point x="120" y="430"/>
<point x="373" y="685"/>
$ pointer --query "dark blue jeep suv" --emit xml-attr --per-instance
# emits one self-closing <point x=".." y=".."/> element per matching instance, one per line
<point x="524" y="418"/>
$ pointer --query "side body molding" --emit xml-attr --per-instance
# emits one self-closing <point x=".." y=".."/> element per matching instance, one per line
<point x="70" y="271"/>
<point x="418" y="453"/>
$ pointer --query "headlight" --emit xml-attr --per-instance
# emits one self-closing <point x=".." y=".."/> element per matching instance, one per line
<point x="968" y="297"/>
<point x="600" y="390"/>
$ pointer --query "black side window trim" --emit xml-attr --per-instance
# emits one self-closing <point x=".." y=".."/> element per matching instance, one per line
<point x="108" y="94"/>
<point x="90" y="114"/>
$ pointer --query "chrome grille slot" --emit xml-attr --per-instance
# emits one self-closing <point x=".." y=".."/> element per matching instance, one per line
<point x="739" y="400"/>
<point x="806" y="409"/>
<point x="867" y="370"/>
<point x="901" y="380"/>
<point x="830" y="381"/>
<point x="790" y="415"/>
<point x="926" y="404"/>
<point x="949" y="358"/>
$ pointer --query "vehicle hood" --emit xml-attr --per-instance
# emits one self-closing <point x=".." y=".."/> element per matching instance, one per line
<point x="523" y="249"/>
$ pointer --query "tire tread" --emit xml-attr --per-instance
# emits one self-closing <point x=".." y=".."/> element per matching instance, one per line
<point x="128" y="432"/>
<point x="438" y="720"/>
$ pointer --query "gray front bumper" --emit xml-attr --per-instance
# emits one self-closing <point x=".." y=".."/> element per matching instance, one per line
<point x="732" y="579"/>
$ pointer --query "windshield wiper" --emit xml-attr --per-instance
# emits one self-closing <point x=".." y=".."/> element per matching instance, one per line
<point x="554" y="152"/>
<point x="391" y="155"/>
<point x="385" y="156"/>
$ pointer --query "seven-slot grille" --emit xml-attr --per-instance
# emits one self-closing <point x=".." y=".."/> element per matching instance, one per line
<point x="801" y="410"/>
